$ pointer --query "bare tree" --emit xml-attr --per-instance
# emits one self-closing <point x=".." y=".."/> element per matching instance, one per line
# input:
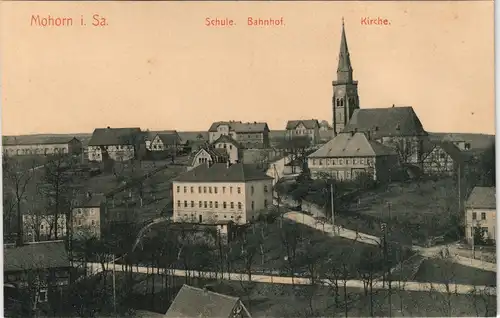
<point x="16" y="180"/>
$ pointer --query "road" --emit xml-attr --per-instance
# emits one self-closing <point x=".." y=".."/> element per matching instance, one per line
<point x="430" y="252"/>
<point x="95" y="268"/>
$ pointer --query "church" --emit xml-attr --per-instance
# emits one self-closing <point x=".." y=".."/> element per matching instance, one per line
<point x="396" y="127"/>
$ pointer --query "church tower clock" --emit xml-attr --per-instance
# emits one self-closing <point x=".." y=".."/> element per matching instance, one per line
<point x="345" y="89"/>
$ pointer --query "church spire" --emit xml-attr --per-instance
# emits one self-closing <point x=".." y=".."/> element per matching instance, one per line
<point x="344" y="70"/>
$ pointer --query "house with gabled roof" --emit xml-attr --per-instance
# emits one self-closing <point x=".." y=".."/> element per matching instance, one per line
<point x="349" y="155"/>
<point x="249" y="135"/>
<point x="233" y="148"/>
<point x="166" y="141"/>
<point x="480" y="212"/>
<point x="213" y="192"/>
<point x="396" y="127"/>
<point x="207" y="153"/>
<point x="119" y="144"/>
<point x="443" y="158"/>
<point x="303" y="127"/>
<point x="202" y="302"/>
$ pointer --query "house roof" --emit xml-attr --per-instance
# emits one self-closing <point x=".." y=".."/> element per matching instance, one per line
<point x="308" y="123"/>
<point x="324" y="123"/>
<point x="240" y="127"/>
<point x="453" y="151"/>
<point x="386" y="122"/>
<point x="196" y="302"/>
<point x="36" y="140"/>
<point x="214" y="153"/>
<point x="95" y="200"/>
<point x="227" y="139"/>
<point x="352" y="145"/>
<point x="51" y="254"/>
<point x="326" y="134"/>
<point x="115" y="136"/>
<point x="482" y="197"/>
<point x="169" y="138"/>
<point x="221" y="172"/>
<point x="476" y="141"/>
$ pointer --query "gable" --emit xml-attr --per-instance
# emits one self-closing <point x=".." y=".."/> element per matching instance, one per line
<point x="301" y="126"/>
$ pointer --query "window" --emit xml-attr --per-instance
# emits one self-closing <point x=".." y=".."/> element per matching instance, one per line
<point x="320" y="162"/>
<point x="42" y="296"/>
<point x="178" y="203"/>
<point x="232" y="205"/>
<point x="185" y="189"/>
<point x="200" y="204"/>
<point x="314" y="162"/>
<point x="239" y="190"/>
<point x="79" y="222"/>
<point x="230" y="190"/>
<point x="80" y="211"/>
<point x="92" y="222"/>
<point x="223" y="189"/>
<point x="199" y="189"/>
<point x="347" y="161"/>
<point x="239" y="205"/>
<point x="192" y="189"/>
<point x="41" y="226"/>
<point x="230" y="147"/>
<point x="205" y="204"/>
<point x="253" y="205"/>
<point x="178" y="189"/>
<point x="210" y="204"/>
<point x="265" y="188"/>
<point x="224" y="205"/>
<point x="215" y="190"/>
<point x="251" y="190"/>
<point x="474" y="215"/>
<point x="216" y="204"/>
<point x="341" y="161"/>
<point x="209" y="189"/>
<point x="204" y="189"/>
<point x="361" y="160"/>
<point x="354" y="161"/>
<point x="185" y="204"/>
<point x="483" y="216"/>
<point x="192" y="204"/>
<point x="442" y="155"/>
<point x="265" y="203"/>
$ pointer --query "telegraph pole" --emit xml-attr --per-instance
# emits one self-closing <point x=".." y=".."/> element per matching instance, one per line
<point x="333" y="209"/>
<point x="114" y="286"/>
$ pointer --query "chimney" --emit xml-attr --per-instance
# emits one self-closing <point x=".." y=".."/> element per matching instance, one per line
<point x="109" y="127"/>
<point x="392" y="105"/>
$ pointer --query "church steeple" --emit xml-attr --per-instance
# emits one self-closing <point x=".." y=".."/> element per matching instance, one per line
<point x="345" y="90"/>
<point x="344" y="69"/>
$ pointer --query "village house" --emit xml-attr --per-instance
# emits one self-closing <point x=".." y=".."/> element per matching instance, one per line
<point x="202" y="302"/>
<point x="350" y="155"/>
<point x="325" y="132"/>
<point x="249" y="135"/>
<point x="119" y="144"/>
<point x="396" y="127"/>
<point x="166" y="141"/>
<point x="41" y="227"/>
<point x="308" y="127"/>
<point x="480" y="211"/>
<point x="442" y="158"/>
<point x="221" y="191"/>
<point x="88" y="215"/>
<point x="230" y="146"/>
<point x="39" y="269"/>
<point x="207" y="153"/>
<point x="34" y="145"/>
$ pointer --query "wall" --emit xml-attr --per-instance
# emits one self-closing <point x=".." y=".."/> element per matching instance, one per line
<point x="232" y="150"/>
<point x="87" y="221"/>
<point x="115" y="152"/>
<point x="489" y="223"/>
<point x="342" y="168"/>
<point x="439" y="162"/>
<point x="259" y="199"/>
<point x="42" y="149"/>
<point x="191" y="194"/>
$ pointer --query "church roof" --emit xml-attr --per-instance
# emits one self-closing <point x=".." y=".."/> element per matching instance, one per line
<point x="352" y="145"/>
<point x="386" y="122"/>
<point x="116" y="136"/>
<point x="308" y="123"/>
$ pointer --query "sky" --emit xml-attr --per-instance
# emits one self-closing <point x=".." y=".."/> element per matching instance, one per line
<point x="155" y="65"/>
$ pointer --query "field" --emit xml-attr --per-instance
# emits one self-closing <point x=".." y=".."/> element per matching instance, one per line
<point x="413" y="211"/>
<point x="445" y="272"/>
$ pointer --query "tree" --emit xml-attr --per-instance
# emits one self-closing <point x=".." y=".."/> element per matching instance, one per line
<point x="370" y="262"/>
<point x="16" y="179"/>
<point x="297" y="147"/>
<point x="58" y="181"/>
<point x="487" y="163"/>
<point x="290" y="238"/>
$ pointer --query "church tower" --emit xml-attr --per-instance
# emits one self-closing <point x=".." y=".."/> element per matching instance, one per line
<point x="345" y="89"/>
